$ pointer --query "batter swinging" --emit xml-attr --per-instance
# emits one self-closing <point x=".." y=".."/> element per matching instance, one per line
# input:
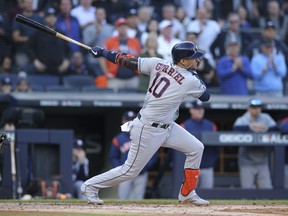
<point x="154" y="126"/>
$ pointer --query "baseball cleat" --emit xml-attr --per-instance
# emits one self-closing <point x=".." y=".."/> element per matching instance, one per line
<point x="193" y="198"/>
<point x="91" y="194"/>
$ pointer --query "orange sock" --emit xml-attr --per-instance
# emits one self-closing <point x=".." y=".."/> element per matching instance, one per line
<point x="190" y="180"/>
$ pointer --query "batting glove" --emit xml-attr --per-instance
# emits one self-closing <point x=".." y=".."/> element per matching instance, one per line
<point x="96" y="51"/>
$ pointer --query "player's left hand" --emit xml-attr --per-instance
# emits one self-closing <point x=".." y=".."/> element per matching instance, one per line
<point x="96" y="51"/>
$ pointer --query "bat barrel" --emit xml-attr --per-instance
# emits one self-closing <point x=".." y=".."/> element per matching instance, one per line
<point x="35" y="24"/>
<point x="43" y="28"/>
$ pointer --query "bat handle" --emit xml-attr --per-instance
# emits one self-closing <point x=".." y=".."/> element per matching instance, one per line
<point x="64" y="37"/>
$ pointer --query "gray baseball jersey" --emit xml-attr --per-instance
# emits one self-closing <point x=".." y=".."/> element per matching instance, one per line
<point x="155" y="127"/>
<point x="169" y="85"/>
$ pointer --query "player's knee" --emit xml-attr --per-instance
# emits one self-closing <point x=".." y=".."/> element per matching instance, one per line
<point x="131" y="175"/>
<point x="196" y="149"/>
<point x="131" y="172"/>
<point x="200" y="147"/>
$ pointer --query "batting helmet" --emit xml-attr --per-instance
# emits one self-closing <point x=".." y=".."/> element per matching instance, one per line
<point x="185" y="49"/>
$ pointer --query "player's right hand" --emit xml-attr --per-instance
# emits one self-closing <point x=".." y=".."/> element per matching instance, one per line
<point x="96" y="51"/>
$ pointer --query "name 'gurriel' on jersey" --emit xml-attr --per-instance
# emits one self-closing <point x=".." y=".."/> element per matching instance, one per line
<point x="171" y="72"/>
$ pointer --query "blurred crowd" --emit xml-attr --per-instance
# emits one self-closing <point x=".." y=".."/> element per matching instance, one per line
<point x="245" y="41"/>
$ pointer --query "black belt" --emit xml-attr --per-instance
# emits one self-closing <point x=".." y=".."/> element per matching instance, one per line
<point x="157" y="125"/>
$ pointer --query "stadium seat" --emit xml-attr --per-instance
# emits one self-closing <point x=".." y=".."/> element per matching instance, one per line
<point x="127" y="90"/>
<point x="37" y="88"/>
<point x="60" y="88"/>
<point x="78" y="81"/>
<point x="214" y="90"/>
<point x="97" y="90"/>
<point x="43" y="79"/>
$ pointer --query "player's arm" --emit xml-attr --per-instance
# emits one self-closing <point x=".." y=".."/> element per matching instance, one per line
<point x="205" y="96"/>
<point x="119" y="58"/>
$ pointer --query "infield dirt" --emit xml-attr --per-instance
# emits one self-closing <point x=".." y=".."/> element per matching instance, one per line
<point x="140" y="208"/>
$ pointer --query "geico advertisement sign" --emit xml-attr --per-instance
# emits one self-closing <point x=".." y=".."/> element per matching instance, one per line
<point x="235" y="138"/>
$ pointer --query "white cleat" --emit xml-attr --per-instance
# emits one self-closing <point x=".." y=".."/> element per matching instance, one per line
<point x="91" y="194"/>
<point x="193" y="198"/>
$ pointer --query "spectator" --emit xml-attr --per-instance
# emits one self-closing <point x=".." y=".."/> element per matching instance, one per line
<point x="49" y="55"/>
<point x="132" y="22"/>
<point x="85" y="13"/>
<point x="268" y="71"/>
<point x="68" y="25"/>
<point x="39" y="6"/>
<point x="254" y="161"/>
<point x="206" y="70"/>
<point x="21" y="34"/>
<point x="132" y="189"/>
<point x="285" y="7"/>
<point x="195" y="124"/>
<point x="166" y="40"/>
<point x="169" y="13"/>
<point x="232" y="33"/>
<point x="234" y="71"/>
<point x="243" y="18"/>
<point x="77" y="65"/>
<point x="268" y="33"/>
<point x="191" y="7"/>
<point x="152" y="27"/>
<point x="12" y="8"/>
<point x="279" y="19"/>
<point x="222" y="8"/>
<point x="5" y="42"/>
<point x="149" y="50"/>
<point x="6" y="86"/>
<point x="80" y="167"/>
<point x="120" y="77"/>
<point x="208" y="28"/>
<point x="116" y="9"/>
<point x="254" y="9"/>
<point x="132" y="28"/>
<point x="283" y="127"/>
<point x="95" y="35"/>
<point x="181" y="16"/>
<point x="7" y="66"/>
<point x="211" y="10"/>
<point x="99" y="31"/>
<point x="144" y="16"/>
<point x="22" y="86"/>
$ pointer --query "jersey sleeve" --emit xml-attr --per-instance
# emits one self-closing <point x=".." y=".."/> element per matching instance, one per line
<point x="197" y="87"/>
<point x="147" y="65"/>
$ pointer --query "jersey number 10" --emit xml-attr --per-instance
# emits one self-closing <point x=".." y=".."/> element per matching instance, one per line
<point x="159" y="86"/>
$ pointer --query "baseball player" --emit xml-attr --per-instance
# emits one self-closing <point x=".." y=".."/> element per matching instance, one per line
<point x="154" y="126"/>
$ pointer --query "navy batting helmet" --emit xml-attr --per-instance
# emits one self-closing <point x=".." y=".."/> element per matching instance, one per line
<point x="185" y="49"/>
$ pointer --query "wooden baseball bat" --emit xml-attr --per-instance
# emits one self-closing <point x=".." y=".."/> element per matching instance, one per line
<point x="29" y="22"/>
